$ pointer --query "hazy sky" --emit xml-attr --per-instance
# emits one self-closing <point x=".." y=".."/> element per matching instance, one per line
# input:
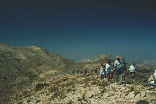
<point x="77" y="29"/>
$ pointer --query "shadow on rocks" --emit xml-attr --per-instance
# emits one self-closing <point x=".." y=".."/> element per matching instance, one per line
<point x="142" y="102"/>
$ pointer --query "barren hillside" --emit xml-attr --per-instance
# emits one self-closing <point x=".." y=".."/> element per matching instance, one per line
<point x="21" y="66"/>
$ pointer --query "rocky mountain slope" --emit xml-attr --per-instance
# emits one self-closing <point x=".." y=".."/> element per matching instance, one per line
<point x="88" y="89"/>
<point x="151" y="62"/>
<point x="21" y="66"/>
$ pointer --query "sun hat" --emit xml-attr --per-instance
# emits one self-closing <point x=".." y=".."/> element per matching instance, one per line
<point x="118" y="57"/>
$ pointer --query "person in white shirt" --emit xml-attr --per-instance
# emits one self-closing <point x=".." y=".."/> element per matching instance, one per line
<point x="117" y="69"/>
<point x="132" y="70"/>
<point x="154" y="77"/>
<point x="109" y="70"/>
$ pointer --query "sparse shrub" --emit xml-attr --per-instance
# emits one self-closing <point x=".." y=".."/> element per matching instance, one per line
<point x="99" y="84"/>
<point x="101" y="87"/>
<point x="65" y="79"/>
<point x="87" y="80"/>
<point x="25" y="92"/>
<point x="153" y="101"/>
<point x="131" y="88"/>
<point x="94" y="83"/>
<point x="126" y="92"/>
<point x="79" y="99"/>
<point x="152" y="94"/>
<point x="103" y="91"/>
<point x="105" y="83"/>
<point x="69" y="89"/>
<point x="40" y="86"/>
<point x="112" y="94"/>
<point x="70" y="84"/>
<point x="70" y="102"/>
<point x="83" y="95"/>
<point x="113" y="88"/>
<point x="53" y="88"/>
<point x="73" y="85"/>
<point x="142" y="102"/>
<point x="136" y="91"/>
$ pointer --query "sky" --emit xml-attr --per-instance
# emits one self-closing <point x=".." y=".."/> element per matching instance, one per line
<point x="77" y="29"/>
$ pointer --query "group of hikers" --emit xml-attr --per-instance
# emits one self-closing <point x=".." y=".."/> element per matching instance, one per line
<point x="118" y="68"/>
<point x="82" y="72"/>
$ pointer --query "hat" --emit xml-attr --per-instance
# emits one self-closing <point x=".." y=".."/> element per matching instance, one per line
<point x="118" y="56"/>
<point x="101" y="62"/>
<point x="123" y="58"/>
<point x="134" y="63"/>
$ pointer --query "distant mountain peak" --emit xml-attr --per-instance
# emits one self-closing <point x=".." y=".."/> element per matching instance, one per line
<point x="102" y="57"/>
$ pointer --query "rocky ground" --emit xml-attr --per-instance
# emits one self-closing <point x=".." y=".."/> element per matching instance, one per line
<point x="88" y="89"/>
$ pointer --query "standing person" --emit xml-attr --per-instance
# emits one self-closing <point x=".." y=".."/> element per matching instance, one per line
<point x="73" y="71"/>
<point x="109" y="72"/>
<point x="85" y="72"/>
<point x="92" y="71"/>
<point x="81" y="72"/>
<point x="123" y="70"/>
<point x="117" y="67"/>
<point x="154" y="75"/>
<point x="102" y="70"/>
<point x="132" y="70"/>
<point x="77" y="72"/>
<point x="95" y="70"/>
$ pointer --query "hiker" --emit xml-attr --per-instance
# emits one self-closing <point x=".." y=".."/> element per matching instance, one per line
<point x="102" y="68"/>
<point x="73" y="71"/>
<point x="81" y="72"/>
<point x="151" y="79"/>
<point x="154" y="77"/>
<point x="117" y="68"/>
<point x="77" y="72"/>
<point x="85" y="71"/>
<point x="123" y="70"/>
<point x="92" y="71"/>
<point x="109" y="70"/>
<point x="95" y="70"/>
<point x="132" y="70"/>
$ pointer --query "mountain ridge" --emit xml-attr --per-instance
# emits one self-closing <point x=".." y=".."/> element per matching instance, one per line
<point x="102" y="57"/>
<point x="27" y="66"/>
<point x="23" y="65"/>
